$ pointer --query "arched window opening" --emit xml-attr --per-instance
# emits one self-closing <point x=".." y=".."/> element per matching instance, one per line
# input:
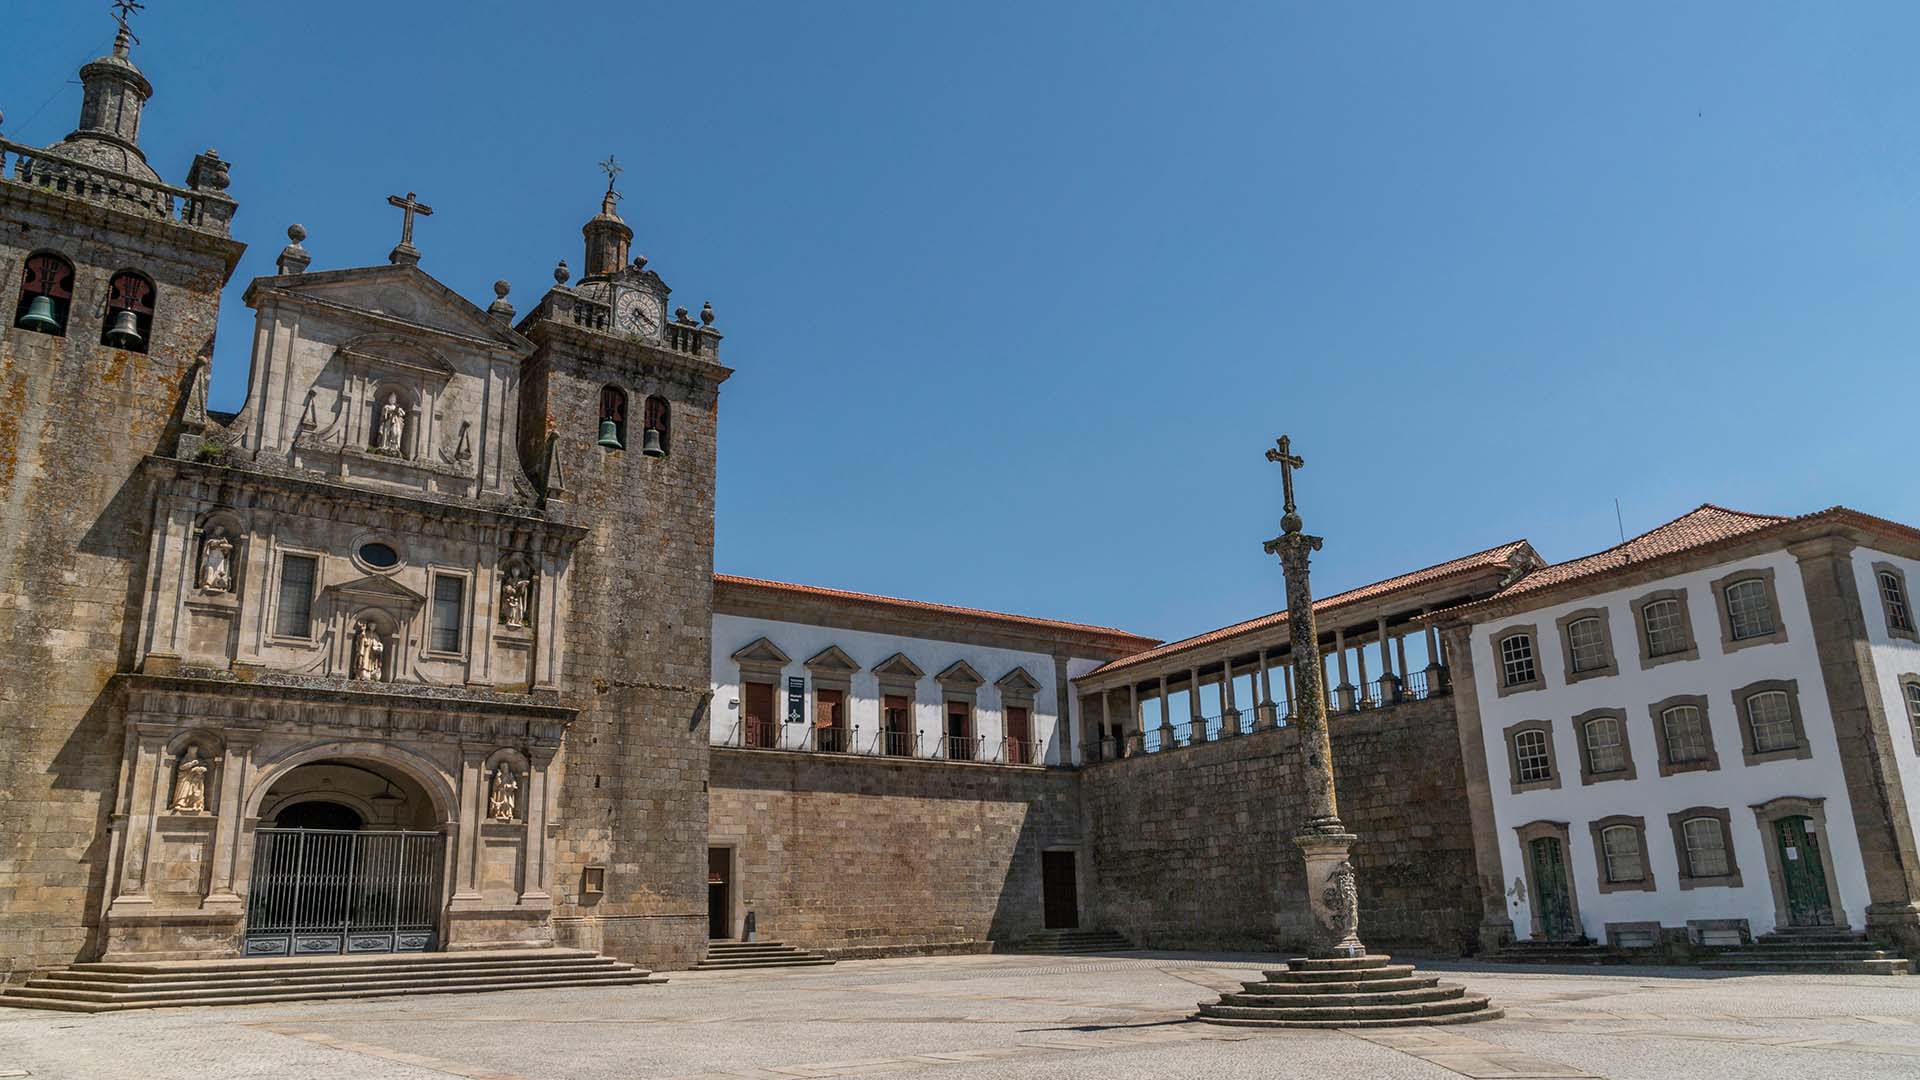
<point x="46" y="292"/>
<point x="658" y="434"/>
<point x="129" y="321"/>
<point x="613" y="418"/>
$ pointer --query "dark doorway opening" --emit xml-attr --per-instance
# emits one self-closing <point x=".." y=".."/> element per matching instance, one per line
<point x="315" y="814"/>
<point x="1804" y="869"/>
<point x="1059" y="890"/>
<point x="719" y="893"/>
<point x="1554" y="908"/>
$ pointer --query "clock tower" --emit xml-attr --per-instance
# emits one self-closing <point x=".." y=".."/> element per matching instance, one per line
<point x="635" y="295"/>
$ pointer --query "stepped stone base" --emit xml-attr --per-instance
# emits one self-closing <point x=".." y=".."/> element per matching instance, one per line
<point x="1555" y="952"/>
<point x="1074" y="941"/>
<point x="731" y="955"/>
<point x="1811" y="951"/>
<point x="1360" y="992"/>
<point x="109" y="987"/>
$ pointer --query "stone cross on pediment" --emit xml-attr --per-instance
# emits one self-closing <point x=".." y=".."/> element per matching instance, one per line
<point x="404" y="253"/>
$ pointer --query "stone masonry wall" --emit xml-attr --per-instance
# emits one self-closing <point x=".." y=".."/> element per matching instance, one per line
<point x="633" y="765"/>
<point x="867" y="857"/>
<point x="1192" y="848"/>
<point x="76" y="417"/>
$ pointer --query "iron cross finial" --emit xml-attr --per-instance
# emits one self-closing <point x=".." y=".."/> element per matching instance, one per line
<point x="122" y="11"/>
<point x="1289" y="461"/>
<point x="613" y="169"/>
<point x="409" y="206"/>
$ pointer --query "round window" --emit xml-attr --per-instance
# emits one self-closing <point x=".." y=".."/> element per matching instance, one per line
<point x="379" y="555"/>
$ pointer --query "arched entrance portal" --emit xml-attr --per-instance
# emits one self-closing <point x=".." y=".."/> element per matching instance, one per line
<point x="348" y="858"/>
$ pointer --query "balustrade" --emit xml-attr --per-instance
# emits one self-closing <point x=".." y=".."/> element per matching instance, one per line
<point x="205" y="208"/>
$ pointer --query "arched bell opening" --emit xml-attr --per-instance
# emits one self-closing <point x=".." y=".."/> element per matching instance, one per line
<point x="349" y="856"/>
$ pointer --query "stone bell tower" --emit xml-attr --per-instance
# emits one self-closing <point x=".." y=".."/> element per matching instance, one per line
<point x="111" y="280"/>
<point x="618" y="413"/>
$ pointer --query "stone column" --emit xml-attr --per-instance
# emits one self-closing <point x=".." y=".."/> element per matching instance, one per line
<point x="1229" y="711"/>
<point x="1496" y="926"/>
<point x="1133" y="718"/>
<point x="534" y="872"/>
<point x="1365" y="696"/>
<point x="466" y="849"/>
<point x="1198" y="722"/>
<point x="1344" y="692"/>
<point x="1331" y="892"/>
<point x="235" y="765"/>
<point x="1400" y="653"/>
<point x="1882" y="820"/>
<point x="150" y="783"/>
<point x="1105" y="729"/>
<point x="1286" y="675"/>
<point x="1166" y="716"/>
<point x="1389" y="677"/>
<point x="1264" y="715"/>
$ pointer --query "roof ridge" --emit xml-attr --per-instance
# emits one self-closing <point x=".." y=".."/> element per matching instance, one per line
<point x="1669" y="523"/>
<point x="961" y="609"/>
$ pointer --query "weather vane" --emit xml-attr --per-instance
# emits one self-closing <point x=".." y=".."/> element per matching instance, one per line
<point x="122" y="11"/>
<point x="612" y="168"/>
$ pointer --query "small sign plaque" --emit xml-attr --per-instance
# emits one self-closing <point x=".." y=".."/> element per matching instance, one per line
<point x="796" y="700"/>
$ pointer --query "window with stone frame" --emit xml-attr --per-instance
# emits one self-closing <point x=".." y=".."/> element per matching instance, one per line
<point x="448" y="617"/>
<point x="293" y="610"/>
<point x="1893" y="601"/>
<point x="1624" y="860"/>
<point x="1749" y="610"/>
<point x="1606" y="751"/>
<point x="1706" y="847"/>
<point x="1910" y="690"/>
<point x="1516" y="660"/>
<point x="1770" y="721"/>
<point x="1684" y="728"/>
<point x="1587" y="645"/>
<point x="1665" y="628"/>
<point x="130" y="296"/>
<point x="1530" y="752"/>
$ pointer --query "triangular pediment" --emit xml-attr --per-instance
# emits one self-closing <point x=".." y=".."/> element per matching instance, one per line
<point x="377" y="587"/>
<point x="961" y="674"/>
<point x="761" y="651"/>
<point x="404" y="294"/>
<point x="898" y="666"/>
<point x="832" y="661"/>
<point x="1018" y="681"/>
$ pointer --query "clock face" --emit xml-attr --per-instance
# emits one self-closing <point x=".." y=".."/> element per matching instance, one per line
<point x="637" y="312"/>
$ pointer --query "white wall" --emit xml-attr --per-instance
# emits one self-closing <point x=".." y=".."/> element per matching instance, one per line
<point x="1734" y="786"/>
<point x="802" y="641"/>
<point x="1892" y="658"/>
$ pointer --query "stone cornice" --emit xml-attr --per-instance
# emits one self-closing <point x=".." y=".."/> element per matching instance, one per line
<point x="283" y="689"/>
<point x="277" y="289"/>
<point x="307" y="489"/>
<point x="164" y="230"/>
<point x="706" y="373"/>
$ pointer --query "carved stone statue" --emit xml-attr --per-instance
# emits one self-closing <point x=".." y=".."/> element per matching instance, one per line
<point x="513" y="598"/>
<point x="393" y="425"/>
<point x="190" y="784"/>
<point x="1342" y="900"/>
<point x="506" y="789"/>
<point x="216" y="562"/>
<point x="368" y="652"/>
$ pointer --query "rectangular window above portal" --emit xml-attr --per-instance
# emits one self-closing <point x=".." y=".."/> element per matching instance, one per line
<point x="449" y="613"/>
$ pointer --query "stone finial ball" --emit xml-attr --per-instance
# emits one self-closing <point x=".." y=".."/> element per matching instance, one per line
<point x="561" y="273"/>
<point x="706" y="313"/>
<point x="296" y="232"/>
<point x="501" y="288"/>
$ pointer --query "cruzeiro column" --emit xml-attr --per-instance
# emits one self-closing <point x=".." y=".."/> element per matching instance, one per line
<point x="1331" y="894"/>
<point x="1340" y="984"/>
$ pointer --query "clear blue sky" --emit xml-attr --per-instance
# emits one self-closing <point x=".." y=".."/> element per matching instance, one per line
<point x="1018" y="293"/>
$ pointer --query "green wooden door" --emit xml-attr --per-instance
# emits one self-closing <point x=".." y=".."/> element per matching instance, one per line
<point x="1550" y="902"/>
<point x="1808" y="903"/>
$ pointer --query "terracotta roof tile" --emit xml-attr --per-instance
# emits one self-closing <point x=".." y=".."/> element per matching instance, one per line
<point x="874" y="600"/>
<point x="1480" y="560"/>
<point x="1699" y="528"/>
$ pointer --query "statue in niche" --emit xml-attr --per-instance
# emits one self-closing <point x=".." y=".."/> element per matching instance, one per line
<point x="393" y="426"/>
<point x="190" y="784"/>
<point x="368" y="652"/>
<point x="513" y="598"/>
<point x="216" y="562"/>
<point x="506" y="788"/>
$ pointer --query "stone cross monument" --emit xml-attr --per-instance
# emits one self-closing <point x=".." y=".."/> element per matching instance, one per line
<point x="1331" y="892"/>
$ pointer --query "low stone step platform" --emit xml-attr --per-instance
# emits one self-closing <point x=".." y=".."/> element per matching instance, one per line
<point x="1074" y="941"/>
<point x="730" y="955"/>
<point x="107" y="987"/>
<point x="1364" y="991"/>
<point x="1555" y="952"/>
<point x="1813" y="950"/>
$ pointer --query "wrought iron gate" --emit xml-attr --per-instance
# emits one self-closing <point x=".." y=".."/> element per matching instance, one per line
<point x="321" y="891"/>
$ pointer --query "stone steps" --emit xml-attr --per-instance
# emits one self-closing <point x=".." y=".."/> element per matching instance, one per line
<point x="1074" y="941"/>
<point x="734" y="955"/>
<point x="1900" y="966"/>
<point x="1555" y="952"/>
<point x="1811" y="950"/>
<point x="117" y="986"/>
<point x="1364" y="991"/>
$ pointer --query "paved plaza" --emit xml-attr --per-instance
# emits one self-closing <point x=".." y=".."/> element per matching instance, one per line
<point x="975" y="1017"/>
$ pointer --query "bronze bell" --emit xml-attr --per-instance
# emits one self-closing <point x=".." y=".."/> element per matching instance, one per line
<point x="650" y="444"/>
<point x="610" y="435"/>
<point x="39" y="316"/>
<point x="124" y="331"/>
